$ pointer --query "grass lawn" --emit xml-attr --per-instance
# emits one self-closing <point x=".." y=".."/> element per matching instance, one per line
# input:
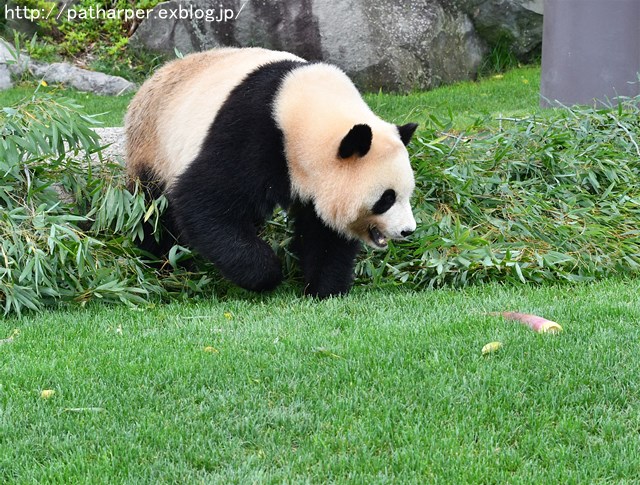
<point x="381" y="386"/>
<point x="511" y="94"/>
<point x="378" y="387"/>
<point x="515" y="92"/>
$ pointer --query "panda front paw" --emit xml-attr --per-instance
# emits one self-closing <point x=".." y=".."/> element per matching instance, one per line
<point x="265" y="274"/>
<point x="322" y="291"/>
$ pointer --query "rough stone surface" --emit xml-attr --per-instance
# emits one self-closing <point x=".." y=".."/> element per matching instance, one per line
<point x="114" y="153"/>
<point x="5" y="53"/>
<point x="389" y="44"/>
<point x="5" y="77"/>
<point x="5" y="59"/>
<point x="17" y="63"/>
<point x="81" y="79"/>
<point x="9" y="65"/>
<point x="60" y="72"/>
<point x="518" y="23"/>
<point x="113" y="137"/>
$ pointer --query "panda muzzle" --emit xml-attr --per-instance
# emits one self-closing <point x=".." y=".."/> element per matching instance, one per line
<point x="377" y="237"/>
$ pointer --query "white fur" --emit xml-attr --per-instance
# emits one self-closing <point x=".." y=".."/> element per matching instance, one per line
<point x="188" y="107"/>
<point x="315" y="108"/>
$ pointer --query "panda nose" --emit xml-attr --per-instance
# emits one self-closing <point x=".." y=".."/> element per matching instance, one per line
<point x="406" y="232"/>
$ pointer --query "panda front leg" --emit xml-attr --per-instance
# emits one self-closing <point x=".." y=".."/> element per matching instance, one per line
<point x="327" y="258"/>
<point x="234" y="247"/>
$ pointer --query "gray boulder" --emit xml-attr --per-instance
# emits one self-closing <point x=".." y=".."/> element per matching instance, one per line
<point x="7" y="65"/>
<point x="81" y="79"/>
<point x="59" y="72"/>
<point x="15" y="62"/>
<point x="391" y="44"/>
<point x="516" y="23"/>
<point x="5" y="77"/>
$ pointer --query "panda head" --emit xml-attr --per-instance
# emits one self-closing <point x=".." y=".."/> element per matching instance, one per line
<point x="377" y="207"/>
<point x="352" y="165"/>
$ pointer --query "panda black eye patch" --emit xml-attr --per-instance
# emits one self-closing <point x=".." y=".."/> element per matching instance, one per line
<point x="385" y="202"/>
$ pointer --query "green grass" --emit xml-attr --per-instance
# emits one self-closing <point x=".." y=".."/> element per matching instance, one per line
<point x="382" y="386"/>
<point x="515" y="92"/>
<point x="379" y="387"/>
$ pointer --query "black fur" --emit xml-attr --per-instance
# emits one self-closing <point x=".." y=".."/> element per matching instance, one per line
<point x="406" y="132"/>
<point x="385" y="202"/>
<point x="356" y="142"/>
<point x="234" y="184"/>
<point x="154" y="188"/>
<point x="326" y="257"/>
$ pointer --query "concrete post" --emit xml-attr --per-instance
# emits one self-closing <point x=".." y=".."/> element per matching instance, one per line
<point x="590" y="51"/>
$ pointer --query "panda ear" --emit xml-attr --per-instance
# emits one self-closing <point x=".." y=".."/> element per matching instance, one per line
<point x="356" y="142"/>
<point x="406" y="132"/>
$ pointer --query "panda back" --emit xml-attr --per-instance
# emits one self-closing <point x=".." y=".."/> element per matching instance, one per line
<point x="170" y="116"/>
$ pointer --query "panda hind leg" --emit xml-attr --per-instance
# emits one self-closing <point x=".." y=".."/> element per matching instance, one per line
<point x="156" y="241"/>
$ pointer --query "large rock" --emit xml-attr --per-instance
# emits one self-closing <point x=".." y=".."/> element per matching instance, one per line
<point x="389" y="44"/>
<point x="59" y="72"/>
<point x="5" y="77"/>
<point x="15" y="62"/>
<point x="514" y="23"/>
<point x="7" y="62"/>
<point x="81" y="79"/>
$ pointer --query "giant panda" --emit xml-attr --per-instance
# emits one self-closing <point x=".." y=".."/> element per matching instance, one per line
<point x="229" y="134"/>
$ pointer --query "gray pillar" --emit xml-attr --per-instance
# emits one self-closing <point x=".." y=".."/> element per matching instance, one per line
<point x="590" y="51"/>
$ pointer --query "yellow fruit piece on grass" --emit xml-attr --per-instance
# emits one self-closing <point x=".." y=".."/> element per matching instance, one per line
<point x="550" y="327"/>
<point x="212" y="350"/>
<point x="47" y="393"/>
<point x="491" y="347"/>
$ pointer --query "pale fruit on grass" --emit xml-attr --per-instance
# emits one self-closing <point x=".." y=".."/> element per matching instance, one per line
<point x="491" y="347"/>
